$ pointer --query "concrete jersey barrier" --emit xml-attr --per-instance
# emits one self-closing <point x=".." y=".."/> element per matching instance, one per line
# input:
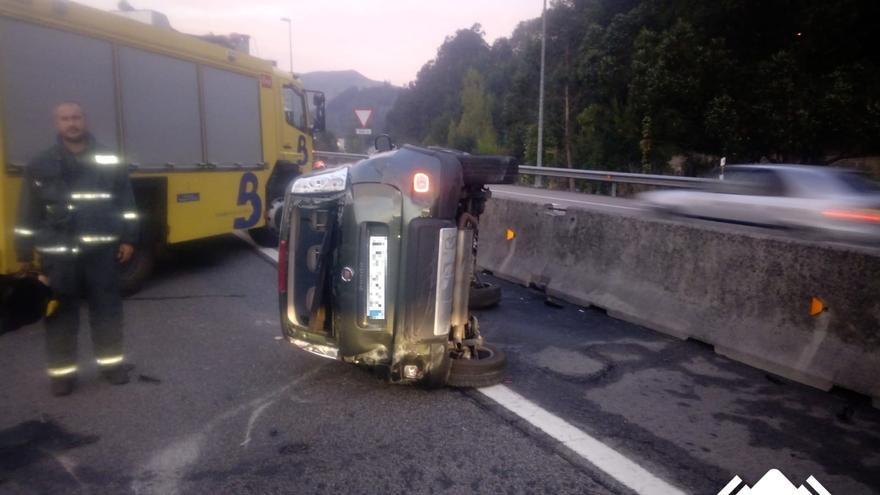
<point x="747" y="294"/>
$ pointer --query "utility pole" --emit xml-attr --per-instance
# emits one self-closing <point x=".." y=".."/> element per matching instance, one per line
<point x="540" y="159"/>
<point x="289" y="41"/>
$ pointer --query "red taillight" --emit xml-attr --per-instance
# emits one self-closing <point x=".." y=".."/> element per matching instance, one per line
<point x="319" y="164"/>
<point x="282" y="266"/>
<point x="872" y="216"/>
<point x="421" y="182"/>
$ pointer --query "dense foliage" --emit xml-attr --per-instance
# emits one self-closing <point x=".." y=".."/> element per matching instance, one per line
<point x="660" y="85"/>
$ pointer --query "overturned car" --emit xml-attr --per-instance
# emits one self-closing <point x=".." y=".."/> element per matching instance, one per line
<point x="376" y="262"/>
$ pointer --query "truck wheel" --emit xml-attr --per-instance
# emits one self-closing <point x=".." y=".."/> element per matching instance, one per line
<point x="137" y="270"/>
<point x="268" y="236"/>
<point x="264" y="236"/>
<point x="485" y="370"/>
<point x="484" y="295"/>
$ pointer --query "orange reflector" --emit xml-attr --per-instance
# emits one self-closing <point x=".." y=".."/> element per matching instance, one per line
<point x="510" y="235"/>
<point x="857" y="215"/>
<point x="817" y="306"/>
<point x="421" y="182"/>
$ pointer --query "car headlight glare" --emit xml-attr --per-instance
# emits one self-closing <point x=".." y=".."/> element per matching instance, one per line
<point x="334" y="181"/>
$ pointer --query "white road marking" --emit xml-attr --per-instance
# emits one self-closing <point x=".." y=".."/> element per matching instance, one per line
<point x="551" y="198"/>
<point x="252" y="420"/>
<point x="595" y="452"/>
<point x="69" y="465"/>
<point x="608" y="460"/>
<point x="165" y="469"/>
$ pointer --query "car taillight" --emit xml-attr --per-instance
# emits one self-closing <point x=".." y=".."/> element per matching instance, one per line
<point x="282" y="266"/>
<point x="319" y="164"/>
<point x="871" y="216"/>
<point x="421" y="182"/>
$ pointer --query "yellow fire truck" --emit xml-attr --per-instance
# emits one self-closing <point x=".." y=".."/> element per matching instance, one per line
<point x="211" y="134"/>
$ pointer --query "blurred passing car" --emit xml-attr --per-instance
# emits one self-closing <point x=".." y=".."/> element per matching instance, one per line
<point x="828" y="202"/>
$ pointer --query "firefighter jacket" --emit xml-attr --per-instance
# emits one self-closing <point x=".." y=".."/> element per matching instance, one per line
<point x="70" y="203"/>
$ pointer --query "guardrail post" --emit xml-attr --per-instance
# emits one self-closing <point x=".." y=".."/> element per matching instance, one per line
<point x="614" y="189"/>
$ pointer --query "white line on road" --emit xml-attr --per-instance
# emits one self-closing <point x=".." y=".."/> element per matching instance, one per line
<point x="595" y="452"/>
<point x="551" y="198"/>
<point x="166" y="468"/>
<point x="608" y="460"/>
<point x="251" y="421"/>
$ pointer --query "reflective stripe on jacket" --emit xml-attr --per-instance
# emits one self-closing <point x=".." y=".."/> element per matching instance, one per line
<point x="69" y="202"/>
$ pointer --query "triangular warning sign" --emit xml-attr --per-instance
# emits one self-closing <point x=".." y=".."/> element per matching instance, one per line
<point x="363" y="115"/>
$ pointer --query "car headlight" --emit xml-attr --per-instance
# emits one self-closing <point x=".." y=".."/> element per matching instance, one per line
<point x="334" y="181"/>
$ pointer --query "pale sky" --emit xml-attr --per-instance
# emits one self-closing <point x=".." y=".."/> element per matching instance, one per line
<point x="386" y="40"/>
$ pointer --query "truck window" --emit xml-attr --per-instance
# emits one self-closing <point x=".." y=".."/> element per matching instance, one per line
<point x="160" y="101"/>
<point x="294" y="108"/>
<point x="232" y="117"/>
<point x="41" y="67"/>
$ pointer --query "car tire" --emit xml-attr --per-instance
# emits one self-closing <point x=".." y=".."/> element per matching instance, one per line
<point x="137" y="270"/>
<point x="486" y="371"/>
<point x="484" y="295"/>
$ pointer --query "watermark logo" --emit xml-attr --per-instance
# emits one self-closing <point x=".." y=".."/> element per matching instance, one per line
<point x="773" y="483"/>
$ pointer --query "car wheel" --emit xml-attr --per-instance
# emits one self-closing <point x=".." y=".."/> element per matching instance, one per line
<point x="484" y="295"/>
<point x="485" y="369"/>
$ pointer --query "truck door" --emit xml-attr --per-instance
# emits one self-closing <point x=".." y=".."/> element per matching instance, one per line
<point x="295" y="134"/>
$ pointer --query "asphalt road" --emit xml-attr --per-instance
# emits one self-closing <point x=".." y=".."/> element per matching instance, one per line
<point x="219" y="404"/>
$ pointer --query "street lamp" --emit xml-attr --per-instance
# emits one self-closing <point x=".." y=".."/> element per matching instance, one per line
<point x="540" y="159"/>
<point x="289" y="40"/>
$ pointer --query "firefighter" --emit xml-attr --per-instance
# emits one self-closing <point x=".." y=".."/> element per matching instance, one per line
<point x="77" y="214"/>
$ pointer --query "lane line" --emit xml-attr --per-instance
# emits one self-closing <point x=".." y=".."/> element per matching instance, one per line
<point x="606" y="459"/>
<point x="551" y="198"/>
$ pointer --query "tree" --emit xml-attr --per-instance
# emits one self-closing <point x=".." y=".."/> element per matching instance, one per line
<point x="474" y="131"/>
<point x="632" y="84"/>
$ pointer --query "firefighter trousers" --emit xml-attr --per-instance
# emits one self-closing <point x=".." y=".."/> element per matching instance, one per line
<point x="93" y="276"/>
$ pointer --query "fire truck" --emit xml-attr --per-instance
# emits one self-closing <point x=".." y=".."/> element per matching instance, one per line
<point x="212" y="135"/>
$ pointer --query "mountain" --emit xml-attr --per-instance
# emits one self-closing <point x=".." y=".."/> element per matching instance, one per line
<point x="334" y="82"/>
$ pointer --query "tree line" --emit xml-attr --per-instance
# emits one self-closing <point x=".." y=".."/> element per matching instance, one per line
<point x="663" y="86"/>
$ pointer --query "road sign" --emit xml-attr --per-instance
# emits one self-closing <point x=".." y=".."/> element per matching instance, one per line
<point x="365" y="132"/>
<point x="363" y="115"/>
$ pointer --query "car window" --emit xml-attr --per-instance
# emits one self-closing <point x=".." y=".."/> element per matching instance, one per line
<point x="755" y="182"/>
<point x="294" y="108"/>
<point x="858" y="183"/>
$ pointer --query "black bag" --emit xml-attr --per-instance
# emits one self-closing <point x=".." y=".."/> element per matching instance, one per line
<point x="23" y="300"/>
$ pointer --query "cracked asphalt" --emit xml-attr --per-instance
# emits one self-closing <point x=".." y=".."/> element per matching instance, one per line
<point x="220" y="404"/>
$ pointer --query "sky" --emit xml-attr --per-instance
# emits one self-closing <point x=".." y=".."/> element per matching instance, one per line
<point x="385" y="40"/>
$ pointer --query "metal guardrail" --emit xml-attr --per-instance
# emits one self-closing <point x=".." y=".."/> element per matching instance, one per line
<point x="571" y="173"/>
<point x="616" y="177"/>
<point x="337" y="157"/>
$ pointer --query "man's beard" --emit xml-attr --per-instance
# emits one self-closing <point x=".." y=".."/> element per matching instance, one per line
<point x="78" y="139"/>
